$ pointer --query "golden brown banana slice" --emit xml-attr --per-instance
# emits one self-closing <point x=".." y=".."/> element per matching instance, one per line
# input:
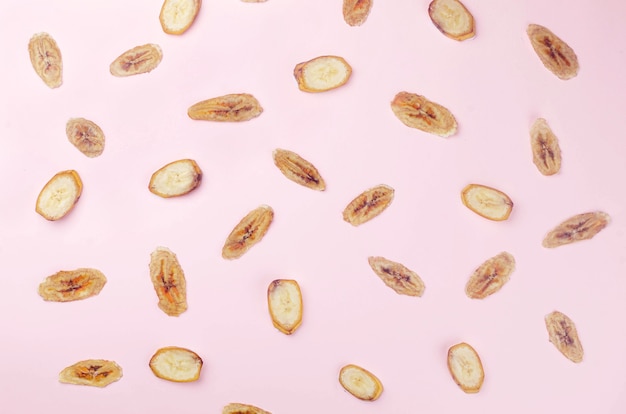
<point x="45" y="56"/>
<point x="176" y="364"/>
<point x="491" y="276"/>
<point x="487" y="202"/>
<point x="176" y="179"/>
<point x="236" y="107"/>
<point x="284" y="300"/>
<point x="577" y="228"/>
<point x="360" y="382"/>
<point x="465" y="367"/>
<point x="368" y="204"/>
<point x="236" y="408"/>
<point x="545" y="147"/>
<point x="298" y="170"/>
<point x="355" y="12"/>
<point x="452" y="19"/>
<point x="169" y="281"/>
<point x="92" y="372"/>
<point x="416" y="111"/>
<point x="563" y="334"/>
<point x="556" y="55"/>
<point x="86" y="136"/>
<point x="178" y="15"/>
<point x="138" y="60"/>
<point x="322" y="73"/>
<point x="71" y="285"/>
<point x="59" y="196"/>
<point x="398" y="277"/>
<point x="248" y="232"/>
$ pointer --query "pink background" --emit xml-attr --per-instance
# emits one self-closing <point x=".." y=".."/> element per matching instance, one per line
<point x="495" y="86"/>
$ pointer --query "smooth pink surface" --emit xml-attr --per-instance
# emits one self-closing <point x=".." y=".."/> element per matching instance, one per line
<point x="494" y="84"/>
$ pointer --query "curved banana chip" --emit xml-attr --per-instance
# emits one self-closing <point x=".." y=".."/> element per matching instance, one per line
<point x="176" y="179"/>
<point x="68" y="286"/>
<point x="59" y="195"/>
<point x="487" y="202"/>
<point x="322" y="73"/>
<point x="45" y="56"/>
<point x="452" y="19"/>
<point x="360" y="382"/>
<point x="177" y="16"/>
<point x="284" y="300"/>
<point x="176" y="364"/>
<point x="236" y="408"/>
<point x="92" y="372"/>
<point x="466" y="367"/>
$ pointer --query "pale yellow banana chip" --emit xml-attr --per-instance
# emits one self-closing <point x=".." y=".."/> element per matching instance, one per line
<point x="176" y="364"/>
<point x="168" y="281"/>
<point x="556" y="55"/>
<point x="284" y="300"/>
<point x="322" y="73"/>
<point x="491" y="276"/>
<point x="236" y="408"/>
<point x="360" y="382"/>
<point x="452" y="19"/>
<point x="466" y="367"/>
<point x="355" y="12"/>
<point x="545" y="148"/>
<point x="248" y="232"/>
<point x="176" y="179"/>
<point x="368" y="204"/>
<point x="416" y="111"/>
<point x="86" y="136"/>
<point x="564" y="336"/>
<point x="92" y="372"/>
<point x="401" y="279"/>
<point x="177" y="16"/>
<point x="236" y="107"/>
<point x="138" y="60"/>
<point x="298" y="170"/>
<point x="71" y="285"/>
<point x="487" y="202"/>
<point x="577" y="228"/>
<point x="59" y="195"/>
<point x="45" y="56"/>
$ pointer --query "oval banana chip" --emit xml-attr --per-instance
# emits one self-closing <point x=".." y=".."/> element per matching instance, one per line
<point x="487" y="202"/>
<point x="545" y="148"/>
<point x="168" y="280"/>
<point x="284" y="300"/>
<point x="466" y="367"/>
<point x="355" y="12"/>
<point x="177" y="16"/>
<point x="176" y="179"/>
<point x="416" y="111"/>
<point x="236" y="408"/>
<point x="564" y="336"/>
<point x="452" y="19"/>
<point x="368" y="204"/>
<point x="92" y="372"/>
<point x="556" y="55"/>
<point x="491" y="276"/>
<point x="235" y="107"/>
<point x="71" y="285"/>
<point x="176" y="364"/>
<point x="86" y="136"/>
<point x="59" y="196"/>
<point x="360" y="382"/>
<point x="577" y="228"/>
<point x="401" y="279"/>
<point x="45" y="56"/>
<point x="322" y="73"/>
<point x="248" y="232"/>
<point x="298" y="170"/>
<point x="138" y="60"/>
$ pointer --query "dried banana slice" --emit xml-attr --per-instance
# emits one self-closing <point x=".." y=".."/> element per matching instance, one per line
<point x="545" y="147"/>
<point x="360" y="382"/>
<point x="176" y="179"/>
<point x="138" y="60"/>
<point x="71" y="285"/>
<point x="452" y="19"/>
<point x="368" y="205"/>
<point x="236" y="408"/>
<point x="577" y="228"/>
<point x="178" y="15"/>
<point x="562" y="333"/>
<point x="169" y="281"/>
<point x="284" y="300"/>
<point x="556" y="55"/>
<point x="398" y="277"/>
<point x="45" y="56"/>
<point x="59" y="196"/>
<point x="322" y="73"/>
<point x="415" y="111"/>
<point x="491" y="276"/>
<point x="176" y="364"/>
<point x="236" y="107"/>
<point x="465" y="367"/>
<point x="487" y="202"/>
<point x="298" y="170"/>
<point x="92" y="372"/>
<point x="355" y="12"/>
<point x="248" y="232"/>
<point x="86" y="136"/>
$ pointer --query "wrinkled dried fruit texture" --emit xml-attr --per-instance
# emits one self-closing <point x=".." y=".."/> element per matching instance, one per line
<point x="555" y="54"/>
<point x="360" y="382"/>
<point x="92" y="372"/>
<point x="176" y="179"/>
<point x="562" y="333"/>
<point x="398" y="277"/>
<point x="176" y="364"/>
<point x="452" y="19"/>
<point x="237" y="107"/>
<point x="415" y="111"/>
<point x="355" y="12"/>
<point x="138" y="60"/>
<point x="178" y="15"/>
<point x="284" y="300"/>
<point x="368" y="205"/>
<point x="71" y="285"/>
<point x="248" y="232"/>
<point x="59" y="196"/>
<point x="487" y="202"/>
<point x="322" y="73"/>
<point x="579" y="227"/>
<point x="466" y="367"/>
<point x="169" y="281"/>
<point x="545" y="147"/>
<point x="45" y="56"/>
<point x="491" y="276"/>
<point x="298" y="170"/>
<point x="86" y="136"/>
<point x="236" y="408"/>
